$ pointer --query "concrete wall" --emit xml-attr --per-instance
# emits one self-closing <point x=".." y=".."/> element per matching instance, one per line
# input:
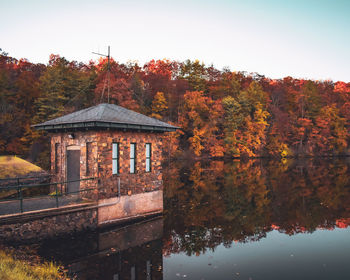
<point x="129" y="207"/>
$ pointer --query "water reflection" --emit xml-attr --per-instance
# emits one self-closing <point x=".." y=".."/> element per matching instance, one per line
<point x="212" y="203"/>
<point x="238" y="220"/>
<point x="132" y="252"/>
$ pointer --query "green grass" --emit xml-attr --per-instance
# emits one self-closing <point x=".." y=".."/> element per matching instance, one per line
<point x="12" y="269"/>
<point x="12" y="166"/>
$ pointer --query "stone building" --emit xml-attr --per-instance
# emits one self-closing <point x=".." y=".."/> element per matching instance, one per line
<point x="122" y="149"/>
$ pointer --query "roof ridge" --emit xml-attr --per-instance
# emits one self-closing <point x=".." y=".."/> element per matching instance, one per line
<point x="100" y="113"/>
<point x="76" y="113"/>
<point x="82" y="111"/>
<point x="113" y="107"/>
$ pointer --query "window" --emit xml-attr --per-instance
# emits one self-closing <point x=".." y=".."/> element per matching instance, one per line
<point x="133" y="273"/>
<point x="57" y="156"/>
<point x="148" y="157"/>
<point x="148" y="270"/>
<point x="115" y="158"/>
<point x="88" y="158"/>
<point x="132" y="158"/>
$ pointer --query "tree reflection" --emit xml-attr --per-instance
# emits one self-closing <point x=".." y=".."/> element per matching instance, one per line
<point x="211" y="203"/>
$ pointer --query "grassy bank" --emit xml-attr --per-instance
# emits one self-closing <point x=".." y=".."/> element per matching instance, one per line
<point x="11" y="166"/>
<point x="15" y="269"/>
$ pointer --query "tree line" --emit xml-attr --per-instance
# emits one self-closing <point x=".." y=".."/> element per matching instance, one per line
<point x="221" y="113"/>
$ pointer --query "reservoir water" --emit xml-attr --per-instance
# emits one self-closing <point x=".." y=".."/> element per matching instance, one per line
<point x="254" y="219"/>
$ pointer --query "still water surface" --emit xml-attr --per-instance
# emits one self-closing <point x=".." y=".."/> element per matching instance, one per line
<point x="239" y="220"/>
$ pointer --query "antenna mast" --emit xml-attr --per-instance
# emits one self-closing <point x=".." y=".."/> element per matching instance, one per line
<point x="108" y="71"/>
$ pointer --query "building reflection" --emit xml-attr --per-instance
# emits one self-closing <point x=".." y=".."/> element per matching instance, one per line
<point x="139" y="262"/>
<point x="131" y="252"/>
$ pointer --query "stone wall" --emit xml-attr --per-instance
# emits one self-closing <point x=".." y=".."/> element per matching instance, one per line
<point x="139" y="182"/>
<point x="99" y="160"/>
<point x="47" y="223"/>
<point x="84" y="141"/>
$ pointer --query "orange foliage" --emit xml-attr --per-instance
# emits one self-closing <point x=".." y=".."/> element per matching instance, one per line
<point x="199" y="120"/>
<point x="222" y="113"/>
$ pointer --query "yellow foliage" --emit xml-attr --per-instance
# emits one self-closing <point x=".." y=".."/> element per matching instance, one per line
<point x="159" y="105"/>
<point x="200" y="119"/>
<point x="196" y="141"/>
<point x="284" y="150"/>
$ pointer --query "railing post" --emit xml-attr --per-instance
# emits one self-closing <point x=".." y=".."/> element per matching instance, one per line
<point x="57" y="195"/>
<point x="20" y="195"/>
<point x="18" y="189"/>
<point x="118" y="186"/>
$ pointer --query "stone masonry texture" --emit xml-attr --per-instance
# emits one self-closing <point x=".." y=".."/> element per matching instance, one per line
<point x="96" y="161"/>
<point x="49" y="226"/>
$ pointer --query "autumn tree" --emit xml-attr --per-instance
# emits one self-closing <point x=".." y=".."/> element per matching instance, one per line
<point x="159" y="106"/>
<point x="229" y="84"/>
<point x="195" y="73"/>
<point x="19" y="88"/>
<point x="199" y="121"/>
<point x="64" y="87"/>
<point x="220" y="112"/>
<point x="114" y="84"/>
<point x="246" y="121"/>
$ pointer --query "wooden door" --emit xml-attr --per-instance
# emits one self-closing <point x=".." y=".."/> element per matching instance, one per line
<point x="73" y="171"/>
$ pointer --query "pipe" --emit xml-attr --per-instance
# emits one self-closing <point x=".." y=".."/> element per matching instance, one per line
<point x="112" y="203"/>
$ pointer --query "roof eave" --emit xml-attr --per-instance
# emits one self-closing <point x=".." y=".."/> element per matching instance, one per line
<point x="95" y="124"/>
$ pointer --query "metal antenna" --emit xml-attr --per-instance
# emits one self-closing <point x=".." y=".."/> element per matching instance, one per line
<point x="108" y="71"/>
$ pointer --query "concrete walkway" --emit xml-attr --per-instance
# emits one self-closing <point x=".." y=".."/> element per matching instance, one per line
<point x="32" y="204"/>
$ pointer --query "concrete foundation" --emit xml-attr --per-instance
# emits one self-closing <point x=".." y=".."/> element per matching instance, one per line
<point x="114" y="210"/>
<point x="51" y="222"/>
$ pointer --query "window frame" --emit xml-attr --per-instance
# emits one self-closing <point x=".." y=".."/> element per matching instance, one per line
<point x="133" y="158"/>
<point x="116" y="158"/>
<point x="149" y="158"/>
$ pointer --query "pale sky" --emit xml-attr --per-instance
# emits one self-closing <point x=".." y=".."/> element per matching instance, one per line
<point x="276" y="38"/>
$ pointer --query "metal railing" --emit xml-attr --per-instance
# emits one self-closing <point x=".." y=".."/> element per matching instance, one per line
<point x="26" y="178"/>
<point x="59" y="190"/>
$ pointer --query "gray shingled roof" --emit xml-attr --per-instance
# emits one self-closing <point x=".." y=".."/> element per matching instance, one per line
<point x="106" y="116"/>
